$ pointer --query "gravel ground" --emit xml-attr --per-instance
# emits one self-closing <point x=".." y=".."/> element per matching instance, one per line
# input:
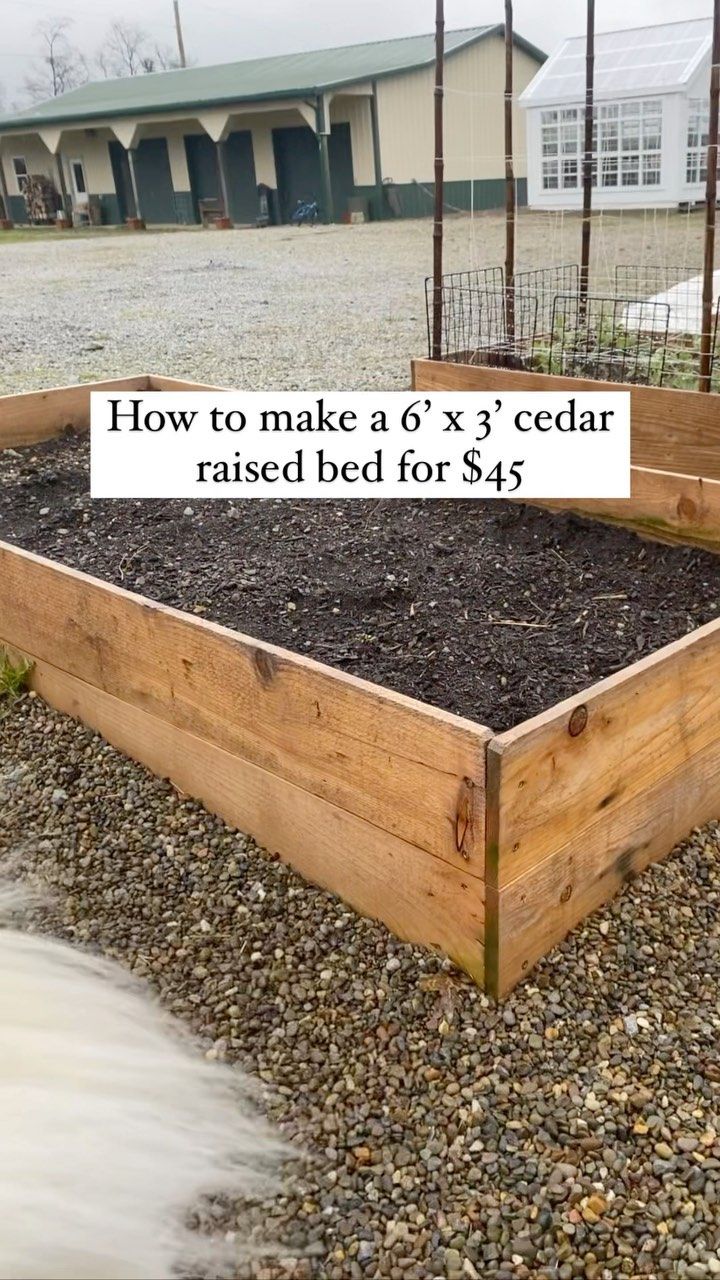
<point x="329" y="309"/>
<point x="574" y="1132"/>
<point x="490" y="610"/>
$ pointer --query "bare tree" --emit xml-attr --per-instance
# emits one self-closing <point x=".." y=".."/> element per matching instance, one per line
<point x="163" y="59"/>
<point x="128" y="51"/>
<point x="63" y="66"/>
<point x="124" y="49"/>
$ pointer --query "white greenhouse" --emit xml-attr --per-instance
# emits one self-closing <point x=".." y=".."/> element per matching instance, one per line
<point x="651" y="119"/>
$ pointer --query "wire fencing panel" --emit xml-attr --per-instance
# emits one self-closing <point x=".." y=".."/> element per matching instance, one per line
<point x="590" y="339"/>
<point x="544" y="284"/>
<point x="475" y="328"/>
<point x="455" y="285"/>
<point x="644" y="329"/>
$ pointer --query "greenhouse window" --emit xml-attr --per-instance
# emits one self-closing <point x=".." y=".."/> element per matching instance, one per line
<point x="698" y="137"/>
<point x="627" y="145"/>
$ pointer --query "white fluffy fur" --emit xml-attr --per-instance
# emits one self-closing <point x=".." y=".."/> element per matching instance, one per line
<point x="112" y="1123"/>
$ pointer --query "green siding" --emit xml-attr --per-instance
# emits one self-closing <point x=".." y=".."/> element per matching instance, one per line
<point x="378" y="210"/>
<point x="415" y="200"/>
<point x="184" y="210"/>
<point x="156" y="196"/>
<point x="18" y="212"/>
<point x="110" y="206"/>
<point x="201" y="155"/>
<point x="122" y="182"/>
<point x="241" y="178"/>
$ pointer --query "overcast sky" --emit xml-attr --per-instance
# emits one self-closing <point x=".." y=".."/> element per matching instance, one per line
<point x="226" y="30"/>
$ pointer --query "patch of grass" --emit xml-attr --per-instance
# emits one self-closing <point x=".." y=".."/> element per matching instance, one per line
<point x="13" y="676"/>
<point x="27" y="235"/>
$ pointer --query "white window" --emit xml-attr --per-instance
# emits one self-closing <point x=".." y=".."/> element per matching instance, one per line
<point x="630" y="171"/>
<point x="562" y="138"/>
<point x="550" y="175"/>
<point x="21" y="172"/>
<point x="698" y="138"/>
<point x="627" y="146"/>
<point x="651" y="170"/>
<point x="635" y="138"/>
<point x="609" y="171"/>
<point x="77" y="173"/>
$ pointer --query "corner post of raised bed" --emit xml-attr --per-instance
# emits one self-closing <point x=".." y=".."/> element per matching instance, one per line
<point x="439" y="180"/>
<point x="493" y="776"/>
<point x="587" y="156"/>
<point x="509" y="183"/>
<point x="706" y="336"/>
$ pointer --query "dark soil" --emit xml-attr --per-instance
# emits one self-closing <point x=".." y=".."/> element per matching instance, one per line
<point x="492" y="610"/>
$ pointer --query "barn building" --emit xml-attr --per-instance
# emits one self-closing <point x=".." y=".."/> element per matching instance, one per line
<point x="651" y="119"/>
<point x="350" y="127"/>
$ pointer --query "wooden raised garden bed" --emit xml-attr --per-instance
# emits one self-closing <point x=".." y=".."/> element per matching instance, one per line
<point x="487" y="846"/>
<point x="675" y="449"/>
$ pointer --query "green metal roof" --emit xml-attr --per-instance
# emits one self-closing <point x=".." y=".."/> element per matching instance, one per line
<point x="289" y="75"/>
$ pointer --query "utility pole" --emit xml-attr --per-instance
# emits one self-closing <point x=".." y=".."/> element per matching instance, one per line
<point x="587" y="157"/>
<point x="178" y="29"/>
<point x="437" y="309"/>
<point x="710" y="209"/>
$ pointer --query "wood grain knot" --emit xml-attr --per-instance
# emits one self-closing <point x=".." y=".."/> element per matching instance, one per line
<point x="577" y="721"/>
<point x="566" y="894"/>
<point x="266" y="665"/>
<point x="686" y="508"/>
<point x="464" y="832"/>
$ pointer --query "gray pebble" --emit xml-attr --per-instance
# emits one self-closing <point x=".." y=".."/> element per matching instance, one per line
<point x="506" y="1153"/>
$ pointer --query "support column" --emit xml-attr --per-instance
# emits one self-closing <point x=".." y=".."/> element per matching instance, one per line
<point x="322" y="130"/>
<point x="136" y="222"/>
<point x="224" y="223"/>
<point x="377" y="159"/>
<point x="66" y="203"/>
<point x="6" y="220"/>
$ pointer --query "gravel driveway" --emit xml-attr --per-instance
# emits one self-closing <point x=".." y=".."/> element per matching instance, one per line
<point x="326" y="308"/>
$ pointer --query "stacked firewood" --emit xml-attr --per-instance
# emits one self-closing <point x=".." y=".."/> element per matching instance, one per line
<point x="41" y="198"/>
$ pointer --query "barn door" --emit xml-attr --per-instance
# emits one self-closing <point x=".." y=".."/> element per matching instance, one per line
<point x="203" y="170"/>
<point x="120" y="166"/>
<point x="341" y="167"/>
<point x="242" y="184"/>
<point x="297" y="164"/>
<point x="154" y="179"/>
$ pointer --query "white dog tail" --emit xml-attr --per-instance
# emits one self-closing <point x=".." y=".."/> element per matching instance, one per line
<point x="112" y="1124"/>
